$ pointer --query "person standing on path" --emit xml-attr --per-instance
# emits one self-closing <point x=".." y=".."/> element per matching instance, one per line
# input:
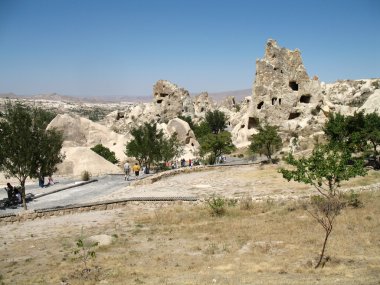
<point x="136" y="169"/>
<point x="127" y="170"/>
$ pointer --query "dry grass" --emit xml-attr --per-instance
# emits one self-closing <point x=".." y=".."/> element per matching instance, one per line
<point x="268" y="243"/>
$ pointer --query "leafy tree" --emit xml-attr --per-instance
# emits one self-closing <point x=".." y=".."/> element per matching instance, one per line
<point x="216" y="120"/>
<point x="372" y="130"/>
<point x="266" y="142"/>
<point x="105" y="152"/>
<point x="325" y="169"/>
<point x="336" y="128"/>
<point x="347" y="131"/>
<point x="27" y="148"/>
<point x="216" y="144"/>
<point x="202" y="129"/>
<point x="170" y="148"/>
<point x="150" y="146"/>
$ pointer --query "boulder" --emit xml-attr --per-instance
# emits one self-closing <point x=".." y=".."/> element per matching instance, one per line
<point x="79" y="159"/>
<point x="78" y="131"/>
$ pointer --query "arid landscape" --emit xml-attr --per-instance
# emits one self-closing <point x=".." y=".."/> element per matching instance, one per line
<point x="189" y="142"/>
<point x="272" y="240"/>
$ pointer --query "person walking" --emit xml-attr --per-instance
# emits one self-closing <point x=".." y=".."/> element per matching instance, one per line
<point x="127" y="171"/>
<point x="136" y="169"/>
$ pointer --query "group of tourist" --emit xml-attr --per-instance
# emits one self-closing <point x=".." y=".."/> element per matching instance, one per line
<point x="135" y="169"/>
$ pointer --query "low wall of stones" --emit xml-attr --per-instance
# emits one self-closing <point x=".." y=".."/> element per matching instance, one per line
<point x="198" y="168"/>
<point x="30" y="215"/>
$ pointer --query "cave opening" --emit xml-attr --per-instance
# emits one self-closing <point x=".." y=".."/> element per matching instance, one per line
<point x="294" y="115"/>
<point x="253" y="122"/>
<point x="293" y="85"/>
<point x="305" y="98"/>
<point x="260" y="105"/>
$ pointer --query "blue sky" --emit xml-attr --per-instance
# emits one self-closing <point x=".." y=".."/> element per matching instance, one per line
<point x="100" y="48"/>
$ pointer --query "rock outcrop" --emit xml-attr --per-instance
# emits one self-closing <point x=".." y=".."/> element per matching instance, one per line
<point x="82" y="132"/>
<point x="171" y="101"/>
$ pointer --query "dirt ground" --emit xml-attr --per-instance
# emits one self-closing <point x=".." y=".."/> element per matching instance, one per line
<point x="273" y="241"/>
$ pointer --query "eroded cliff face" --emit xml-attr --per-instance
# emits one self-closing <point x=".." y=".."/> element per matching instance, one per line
<point x="284" y="95"/>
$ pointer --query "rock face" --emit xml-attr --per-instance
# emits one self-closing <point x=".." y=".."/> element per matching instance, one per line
<point x="79" y="159"/>
<point x="282" y="90"/>
<point x="285" y="96"/>
<point x="78" y="131"/>
<point x="202" y="104"/>
<point x="171" y="101"/>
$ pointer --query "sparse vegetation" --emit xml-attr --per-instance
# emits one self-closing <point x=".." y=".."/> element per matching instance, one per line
<point x="272" y="246"/>
<point x="105" y="152"/>
<point x="217" y="205"/>
<point x="86" y="175"/>
<point x="327" y="166"/>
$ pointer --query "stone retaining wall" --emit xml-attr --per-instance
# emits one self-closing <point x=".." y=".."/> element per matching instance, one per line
<point x="30" y="215"/>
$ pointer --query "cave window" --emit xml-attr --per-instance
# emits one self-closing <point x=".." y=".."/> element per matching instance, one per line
<point x="275" y="68"/>
<point x="293" y="85"/>
<point x="233" y="101"/>
<point x="159" y="101"/>
<point x="242" y="126"/>
<point x="274" y="99"/>
<point x="192" y="144"/>
<point x="260" y="105"/>
<point x="293" y="116"/>
<point x="202" y="109"/>
<point x="279" y="101"/>
<point x="253" y="122"/>
<point x="163" y="94"/>
<point x="281" y="71"/>
<point x="305" y="98"/>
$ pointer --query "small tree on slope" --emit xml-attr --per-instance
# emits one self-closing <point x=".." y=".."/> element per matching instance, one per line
<point x="327" y="166"/>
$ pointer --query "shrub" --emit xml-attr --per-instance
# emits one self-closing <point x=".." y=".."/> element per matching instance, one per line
<point x="217" y="206"/>
<point x="105" y="152"/>
<point x="246" y="203"/>
<point x="353" y="200"/>
<point x="86" y="175"/>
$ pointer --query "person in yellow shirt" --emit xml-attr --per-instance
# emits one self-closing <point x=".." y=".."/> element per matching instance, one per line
<point x="136" y="169"/>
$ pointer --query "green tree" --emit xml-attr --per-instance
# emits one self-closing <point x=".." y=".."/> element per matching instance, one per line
<point x="266" y="142"/>
<point x="216" y="144"/>
<point x="325" y="169"/>
<point x="27" y="148"/>
<point x="372" y="130"/>
<point x="351" y="131"/>
<point x="105" y="152"/>
<point x="149" y="145"/>
<point x="202" y="129"/>
<point x="216" y="120"/>
<point x="170" y="148"/>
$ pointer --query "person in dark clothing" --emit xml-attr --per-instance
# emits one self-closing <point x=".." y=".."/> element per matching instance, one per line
<point x="10" y="190"/>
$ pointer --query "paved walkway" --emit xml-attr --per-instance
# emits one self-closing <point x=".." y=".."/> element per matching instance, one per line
<point x="68" y="192"/>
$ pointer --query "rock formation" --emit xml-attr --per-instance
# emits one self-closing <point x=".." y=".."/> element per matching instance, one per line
<point x="78" y="131"/>
<point x="171" y="101"/>
<point x="284" y="95"/>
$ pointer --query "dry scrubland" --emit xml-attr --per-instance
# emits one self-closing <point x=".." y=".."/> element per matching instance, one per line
<point x="272" y="242"/>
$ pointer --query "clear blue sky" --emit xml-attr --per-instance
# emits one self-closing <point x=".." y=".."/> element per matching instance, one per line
<point x="92" y="47"/>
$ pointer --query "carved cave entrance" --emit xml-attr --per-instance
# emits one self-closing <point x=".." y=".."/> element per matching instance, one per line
<point x="305" y="98"/>
<point x="253" y="122"/>
<point x="293" y="85"/>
